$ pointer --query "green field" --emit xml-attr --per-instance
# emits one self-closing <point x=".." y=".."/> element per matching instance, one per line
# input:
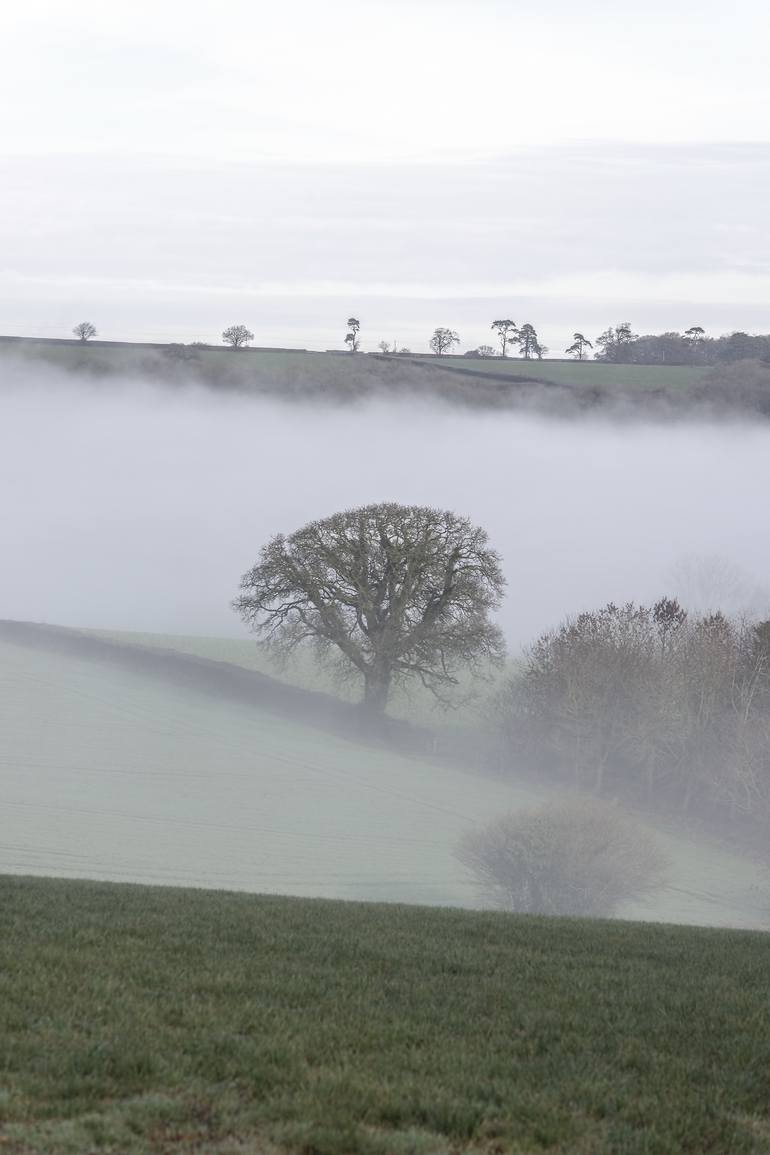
<point x="127" y="357"/>
<point x="590" y="373"/>
<point x="289" y="367"/>
<point x="141" y="1020"/>
<point x="469" y="701"/>
<point x="110" y="774"/>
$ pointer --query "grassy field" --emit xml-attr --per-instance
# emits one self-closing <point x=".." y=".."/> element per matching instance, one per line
<point x="590" y="372"/>
<point x="291" y="366"/>
<point x="105" y="773"/>
<point x="108" y="774"/>
<point x="470" y="701"/>
<point x="127" y="357"/>
<point x="141" y="1020"/>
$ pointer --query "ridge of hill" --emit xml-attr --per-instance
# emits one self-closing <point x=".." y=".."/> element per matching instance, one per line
<point x="224" y="679"/>
<point x="325" y="375"/>
<point x="548" y="388"/>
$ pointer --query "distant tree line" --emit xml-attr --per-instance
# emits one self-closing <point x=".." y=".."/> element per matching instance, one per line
<point x="510" y="335"/>
<point x="621" y="345"/>
<point x="618" y="344"/>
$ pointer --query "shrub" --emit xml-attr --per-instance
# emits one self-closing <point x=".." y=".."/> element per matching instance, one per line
<point x="577" y="857"/>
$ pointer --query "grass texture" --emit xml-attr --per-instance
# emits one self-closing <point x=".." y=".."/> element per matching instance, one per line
<point x="138" y="1020"/>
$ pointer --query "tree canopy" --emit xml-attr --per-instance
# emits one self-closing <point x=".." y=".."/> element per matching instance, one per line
<point x="650" y="696"/>
<point x="579" y="346"/>
<point x="385" y="592"/>
<point x="507" y="332"/>
<point x="237" y="336"/>
<point x="442" y="340"/>
<point x="351" y="338"/>
<point x="526" y="338"/>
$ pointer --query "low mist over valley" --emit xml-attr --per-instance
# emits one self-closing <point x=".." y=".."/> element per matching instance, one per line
<point x="149" y="500"/>
<point x="142" y="498"/>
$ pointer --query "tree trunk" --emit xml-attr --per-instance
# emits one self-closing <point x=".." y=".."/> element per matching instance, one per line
<point x="376" y="691"/>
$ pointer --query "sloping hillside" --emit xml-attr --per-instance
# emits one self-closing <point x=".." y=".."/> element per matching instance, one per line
<point x="110" y="772"/>
<point x="115" y="771"/>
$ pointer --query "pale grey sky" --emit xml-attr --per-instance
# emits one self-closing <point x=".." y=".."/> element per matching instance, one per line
<point x="171" y="168"/>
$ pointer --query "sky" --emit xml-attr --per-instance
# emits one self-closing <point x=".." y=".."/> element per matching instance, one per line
<point x="169" y="169"/>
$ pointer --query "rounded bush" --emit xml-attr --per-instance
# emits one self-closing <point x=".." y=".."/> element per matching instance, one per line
<point x="573" y="857"/>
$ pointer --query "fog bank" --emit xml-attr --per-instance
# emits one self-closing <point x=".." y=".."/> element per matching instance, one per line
<point x="132" y="507"/>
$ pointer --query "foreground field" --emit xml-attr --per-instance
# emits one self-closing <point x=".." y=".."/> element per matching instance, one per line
<point x="141" y="1020"/>
<point x="109" y="772"/>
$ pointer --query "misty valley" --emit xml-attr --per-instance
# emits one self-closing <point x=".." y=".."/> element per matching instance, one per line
<point x="147" y="502"/>
<point x="384" y="578"/>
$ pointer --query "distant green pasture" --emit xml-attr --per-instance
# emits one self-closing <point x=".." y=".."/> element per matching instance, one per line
<point x="290" y="365"/>
<point x="588" y="373"/>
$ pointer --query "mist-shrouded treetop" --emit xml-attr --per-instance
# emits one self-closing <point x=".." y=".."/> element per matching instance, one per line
<point x="237" y="336"/>
<point x="385" y="592"/>
<point x="84" y="331"/>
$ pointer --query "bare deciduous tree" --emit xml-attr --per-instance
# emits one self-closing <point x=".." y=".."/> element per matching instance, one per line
<point x="387" y="591"/>
<point x="709" y="582"/>
<point x="442" y="341"/>
<point x="638" y="696"/>
<point x="237" y="336"/>
<point x="576" y="857"/>
<point x="584" y="685"/>
<point x="84" y="331"/>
